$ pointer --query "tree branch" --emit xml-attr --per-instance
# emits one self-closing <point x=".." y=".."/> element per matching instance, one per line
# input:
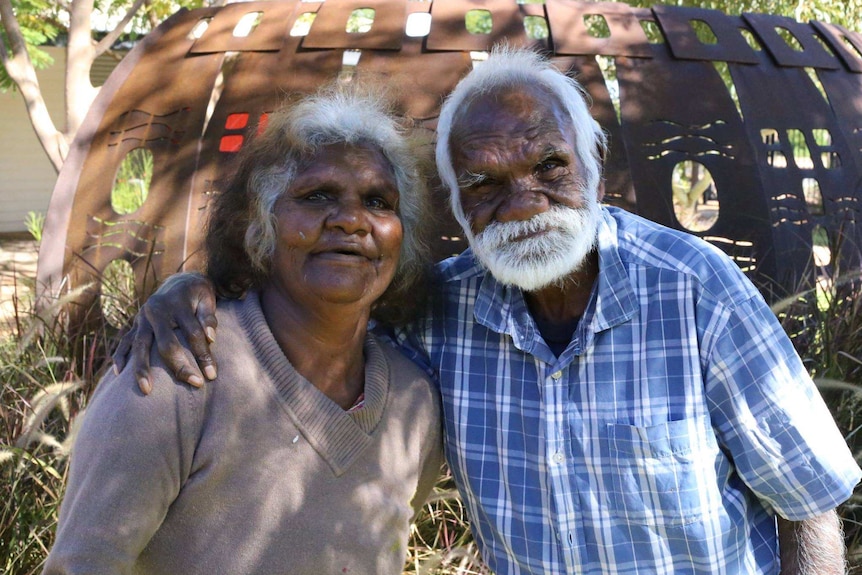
<point x="13" y="30"/>
<point x="151" y="14"/>
<point x="105" y="43"/>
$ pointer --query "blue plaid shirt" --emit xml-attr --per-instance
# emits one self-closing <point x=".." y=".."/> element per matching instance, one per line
<point x="675" y="424"/>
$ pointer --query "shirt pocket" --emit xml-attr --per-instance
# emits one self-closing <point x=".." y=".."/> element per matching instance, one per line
<point x="663" y="474"/>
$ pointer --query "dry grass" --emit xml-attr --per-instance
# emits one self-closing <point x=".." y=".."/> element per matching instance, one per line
<point x="47" y="375"/>
<point x="41" y="391"/>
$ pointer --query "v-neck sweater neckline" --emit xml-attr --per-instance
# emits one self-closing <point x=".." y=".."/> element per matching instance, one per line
<point x="338" y="437"/>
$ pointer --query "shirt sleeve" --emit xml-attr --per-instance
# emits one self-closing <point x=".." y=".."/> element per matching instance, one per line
<point x="771" y="419"/>
<point x="131" y="456"/>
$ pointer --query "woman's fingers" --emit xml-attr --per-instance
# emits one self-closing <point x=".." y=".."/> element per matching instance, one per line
<point x="180" y="320"/>
<point x="199" y="343"/>
<point x="140" y="348"/>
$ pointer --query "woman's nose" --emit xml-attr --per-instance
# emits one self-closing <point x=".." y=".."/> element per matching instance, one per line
<point x="351" y="217"/>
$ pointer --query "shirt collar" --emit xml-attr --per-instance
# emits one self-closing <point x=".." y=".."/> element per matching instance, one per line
<point x="503" y="309"/>
<point x="616" y="301"/>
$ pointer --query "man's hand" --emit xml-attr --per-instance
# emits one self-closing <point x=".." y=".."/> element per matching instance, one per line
<point x="813" y="546"/>
<point x="186" y="302"/>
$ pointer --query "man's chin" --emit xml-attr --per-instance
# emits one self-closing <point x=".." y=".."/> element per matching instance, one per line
<point x="543" y="259"/>
<point x="536" y="274"/>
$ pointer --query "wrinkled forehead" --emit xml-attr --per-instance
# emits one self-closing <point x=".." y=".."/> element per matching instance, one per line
<point x="521" y="109"/>
<point x="514" y="122"/>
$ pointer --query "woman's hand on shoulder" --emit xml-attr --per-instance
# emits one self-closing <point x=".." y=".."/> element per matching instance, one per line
<point x="184" y="302"/>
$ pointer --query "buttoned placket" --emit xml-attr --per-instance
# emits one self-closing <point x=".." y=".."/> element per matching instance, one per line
<point x="557" y="433"/>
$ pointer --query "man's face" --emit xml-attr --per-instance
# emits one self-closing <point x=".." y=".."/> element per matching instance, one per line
<point x="532" y="221"/>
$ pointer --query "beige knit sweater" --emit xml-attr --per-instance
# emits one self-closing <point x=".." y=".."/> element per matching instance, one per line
<point x="258" y="472"/>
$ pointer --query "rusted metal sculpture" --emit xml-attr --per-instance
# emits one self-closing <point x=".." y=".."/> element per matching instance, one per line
<point x="785" y="155"/>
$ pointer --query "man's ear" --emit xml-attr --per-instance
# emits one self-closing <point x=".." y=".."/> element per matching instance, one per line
<point x="600" y="193"/>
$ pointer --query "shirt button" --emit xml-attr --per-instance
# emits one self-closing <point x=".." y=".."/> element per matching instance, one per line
<point x="559" y="457"/>
<point x="557" y="375"/>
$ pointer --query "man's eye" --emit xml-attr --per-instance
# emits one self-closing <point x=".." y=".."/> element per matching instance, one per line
<point x="475" y="197"/>
<point x="473" y="181"/>
<point x="548" y="166"/>
<point x="481" y="186"/>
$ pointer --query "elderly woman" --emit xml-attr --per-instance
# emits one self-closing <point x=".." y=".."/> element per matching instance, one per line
<point x="316" y="444"/>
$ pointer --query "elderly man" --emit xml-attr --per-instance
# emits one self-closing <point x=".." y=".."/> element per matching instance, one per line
<point x="618" y="398"/>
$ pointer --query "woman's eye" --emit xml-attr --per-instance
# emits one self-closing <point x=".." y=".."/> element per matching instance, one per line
<point x="377" y="203"/>
<point x="316" y="196"/>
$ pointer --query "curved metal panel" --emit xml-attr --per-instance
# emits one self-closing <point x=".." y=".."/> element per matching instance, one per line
<point x="192" y="103"/>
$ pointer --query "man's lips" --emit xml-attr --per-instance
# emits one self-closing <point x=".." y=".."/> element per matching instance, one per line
<point x="529" y="235"/>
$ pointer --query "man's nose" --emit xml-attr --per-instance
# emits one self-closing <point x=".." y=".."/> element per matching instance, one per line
<point x="521" y="204"/>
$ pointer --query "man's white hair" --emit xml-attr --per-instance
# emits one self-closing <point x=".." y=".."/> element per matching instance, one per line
<point x="507" y="68"/>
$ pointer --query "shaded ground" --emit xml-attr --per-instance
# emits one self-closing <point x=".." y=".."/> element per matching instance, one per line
<point x="17" y="275"/>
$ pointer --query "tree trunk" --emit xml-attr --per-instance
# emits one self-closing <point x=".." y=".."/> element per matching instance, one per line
<point x="80" y="54"/>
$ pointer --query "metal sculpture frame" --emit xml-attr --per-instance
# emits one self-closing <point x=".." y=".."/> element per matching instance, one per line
<point x="193" y="101"/>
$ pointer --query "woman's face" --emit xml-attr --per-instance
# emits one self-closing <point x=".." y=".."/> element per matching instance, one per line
<point x="339" y="234"/>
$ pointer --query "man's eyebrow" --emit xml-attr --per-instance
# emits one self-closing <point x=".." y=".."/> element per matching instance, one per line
<point x="468" y="179"/>
<point x="551" y="151"/>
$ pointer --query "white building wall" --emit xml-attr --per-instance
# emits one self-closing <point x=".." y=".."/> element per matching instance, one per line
<point x="27" y="178"/>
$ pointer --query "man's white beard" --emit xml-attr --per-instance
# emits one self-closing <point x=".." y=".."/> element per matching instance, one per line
<point x="570" y="234"/>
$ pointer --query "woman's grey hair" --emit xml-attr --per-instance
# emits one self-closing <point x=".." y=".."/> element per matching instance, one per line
<point x="507" y="68"/>
<point x="353" y="114"/>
